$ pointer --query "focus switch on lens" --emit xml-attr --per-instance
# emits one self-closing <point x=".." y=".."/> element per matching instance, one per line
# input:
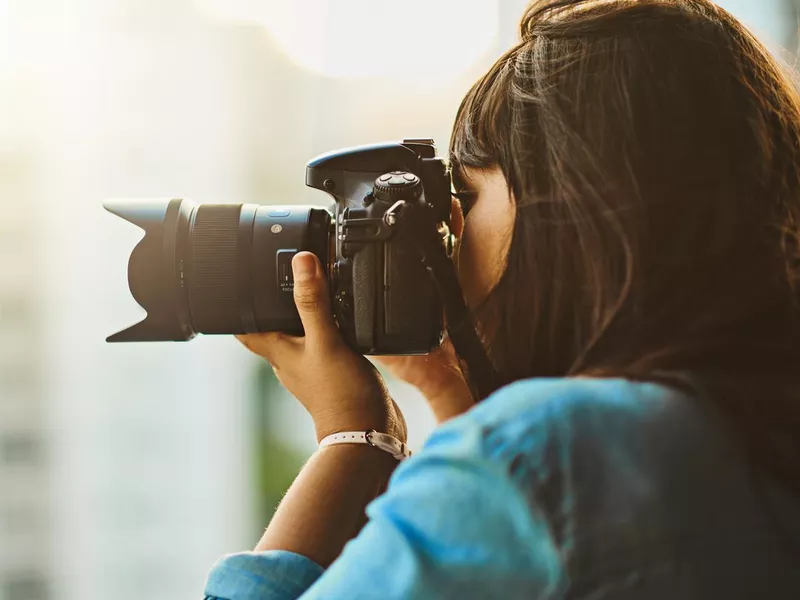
<point x="397" y="185"/>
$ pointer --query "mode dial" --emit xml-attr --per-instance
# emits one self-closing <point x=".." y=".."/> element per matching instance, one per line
<point x="397" y="185"/>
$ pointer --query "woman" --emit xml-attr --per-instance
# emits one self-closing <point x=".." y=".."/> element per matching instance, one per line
<point x="631" y="258"/>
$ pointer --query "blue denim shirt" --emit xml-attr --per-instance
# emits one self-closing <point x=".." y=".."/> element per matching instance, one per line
<point x="557" y="488"/>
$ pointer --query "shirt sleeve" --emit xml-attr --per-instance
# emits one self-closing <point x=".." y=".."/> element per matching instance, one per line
<point x="272" y="575"/>
<point x="452" y="524"/>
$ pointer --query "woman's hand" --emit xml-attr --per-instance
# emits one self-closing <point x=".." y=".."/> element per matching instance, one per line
<point x="341" y="389"/>
<point x="437" y="375"/>
<point x="439" y="378"/>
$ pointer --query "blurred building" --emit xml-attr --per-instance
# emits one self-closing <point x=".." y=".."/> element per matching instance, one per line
<point x="127" y="470"/>
<point x="25" y="468"/>
<point x="124" y="471"/>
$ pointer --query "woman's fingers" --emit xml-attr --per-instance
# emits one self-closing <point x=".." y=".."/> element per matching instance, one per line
<point x="271" y="346"/>
<point x="312" y="300"/>
<point x="313" y="306"/>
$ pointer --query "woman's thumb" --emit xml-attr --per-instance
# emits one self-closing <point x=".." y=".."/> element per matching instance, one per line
<point x="311" y="297"/>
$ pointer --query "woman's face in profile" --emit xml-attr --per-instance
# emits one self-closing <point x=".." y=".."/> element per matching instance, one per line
<point x="485" y="237"/>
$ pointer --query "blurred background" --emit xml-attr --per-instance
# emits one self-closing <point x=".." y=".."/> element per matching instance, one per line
<point x="127" y="470"/>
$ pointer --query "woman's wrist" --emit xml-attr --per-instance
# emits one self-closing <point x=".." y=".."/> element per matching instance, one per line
<point x="448" y="399"/>
<point x="439" y="387"/>
<point x="381" y="419"/>
<point x="324" y="507"/>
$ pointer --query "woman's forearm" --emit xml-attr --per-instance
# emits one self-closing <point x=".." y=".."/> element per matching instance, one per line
<point x="324" y="507"/>
<point x="342" y="391"/>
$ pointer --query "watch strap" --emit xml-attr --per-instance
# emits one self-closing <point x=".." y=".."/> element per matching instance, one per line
<point x="383" y="441"/>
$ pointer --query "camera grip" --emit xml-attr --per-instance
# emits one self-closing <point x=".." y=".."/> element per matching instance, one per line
<point x="365" y="284"/>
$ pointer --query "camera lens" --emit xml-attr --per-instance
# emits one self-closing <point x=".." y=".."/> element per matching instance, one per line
<point x="218" y="268"/>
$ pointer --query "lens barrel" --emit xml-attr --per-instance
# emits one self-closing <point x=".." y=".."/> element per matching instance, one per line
<point x="217" y="268"/>
<point x="215" y="256"/>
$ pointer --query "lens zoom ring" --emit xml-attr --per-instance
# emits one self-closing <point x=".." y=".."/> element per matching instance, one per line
<point x="212" y="284"/>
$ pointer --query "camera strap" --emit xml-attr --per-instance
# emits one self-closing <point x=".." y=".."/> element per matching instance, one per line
<point x="416" y="222"/>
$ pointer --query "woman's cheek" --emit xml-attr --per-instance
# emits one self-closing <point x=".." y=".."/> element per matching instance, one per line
<point x="481" y="254"/>
<point x="486" y="237"/>
<point x="480" y="259"/>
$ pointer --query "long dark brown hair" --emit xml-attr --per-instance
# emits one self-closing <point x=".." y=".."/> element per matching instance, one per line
<point x="653" y="149"/>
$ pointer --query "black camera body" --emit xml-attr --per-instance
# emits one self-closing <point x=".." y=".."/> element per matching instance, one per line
<point x="226" y="269"/>
<point x="384" y="299"/>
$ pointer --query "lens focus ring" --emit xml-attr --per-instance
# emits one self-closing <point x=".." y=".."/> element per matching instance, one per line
<point x="214" y="257"/>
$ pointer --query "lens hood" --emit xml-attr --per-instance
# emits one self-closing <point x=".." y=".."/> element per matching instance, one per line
<point x="156" y="269"/>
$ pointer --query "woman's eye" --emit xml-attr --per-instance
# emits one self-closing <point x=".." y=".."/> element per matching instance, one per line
<point x="467" y="200"/>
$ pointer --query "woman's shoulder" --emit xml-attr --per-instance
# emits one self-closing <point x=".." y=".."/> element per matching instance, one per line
<point x="592" y="482"/>
<point x="612" y="455"/>
<point x="532" y="415"/>
<point x="578" y="398"/>
<point x="615" y="466"/>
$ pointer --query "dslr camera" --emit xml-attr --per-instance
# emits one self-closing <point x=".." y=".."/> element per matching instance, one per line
<point x="226" y="268"/>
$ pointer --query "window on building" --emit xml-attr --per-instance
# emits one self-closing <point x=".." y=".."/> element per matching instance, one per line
<point x="25" y="586"/>
<point x="20" y="448"/>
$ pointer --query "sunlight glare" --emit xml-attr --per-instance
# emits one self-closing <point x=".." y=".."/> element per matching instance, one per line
<point x="430" y="40"/>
